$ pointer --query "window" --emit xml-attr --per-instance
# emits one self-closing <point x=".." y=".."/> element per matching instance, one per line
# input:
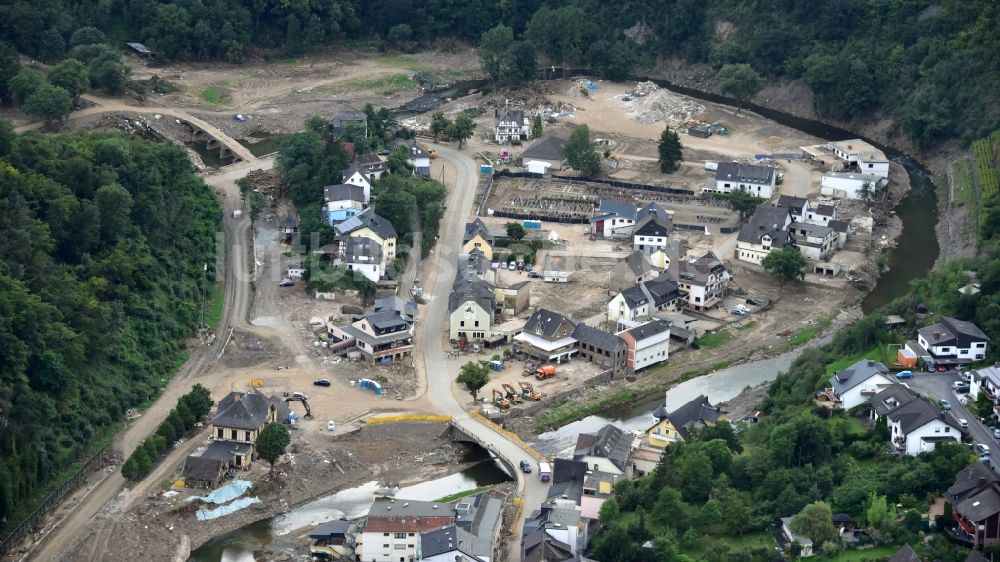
<point x="400" y="535"/>
<point x="234" y="437"/>
<point x="477" y="323"/>
<point x="399" y="546"/>
<point x="385" y="535"/>
<point x="248" y="437"/>
<point x="461" y="323"/>
<point x="220" y="433"/>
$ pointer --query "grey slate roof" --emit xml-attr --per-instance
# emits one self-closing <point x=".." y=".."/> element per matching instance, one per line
<point x="892" y="397"/>
<point x="981" y="505"/>
<point x="969" y="481"/>
<point x="975" y="556"/>
<point x="330" y="529"/>
<point x="545" y="148"/>
<point x="916" y="414"/>
<point x="568" y="477"/>
<point x="549" y="325"/>
<point x="649" y="329"/>
<point x="414" y="148"/>
<point x="367" y="218"/>
<point x="387" y="322"/>
<point x="696" y="413"/>
<point x="839" y="225"/>
<point x="600" y="339"/>
<point x="952" y="331"/>
<point x="369" y="160"/>
<point x="661" y="290"/>
<point x="443" y="541"/>
<point x="826" y="210"/>
<point x="507" y="115"/>
<point x="653" y="210"/>
<point x="226" y="450"/>
<point x="343" y="192"/>
<point x="792" y="203"/>
<point x="407" y="309"/>
<point x="477" y="227"/>
<point x="202" y="468"/>
<point x="634" y="296"/>
<point x="698" y="271"/>
<point x="620" y="209"/>
<point x="750" y="173"/>
<point x="814" y="230"/>
<point x="766" y="220"/>
<point x="905" y="554"/>
<point x="611" y="443"/>
<point x="365" y="250"/>
<point x="638" y="263"/>
<point x="243" y="410"/>
<point x="652" y="225"/>
<point x="471" y="288"/>
<point x="856" y="374"/>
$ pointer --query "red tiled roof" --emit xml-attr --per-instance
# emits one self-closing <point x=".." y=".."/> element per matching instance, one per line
<point x="406" y="524"/>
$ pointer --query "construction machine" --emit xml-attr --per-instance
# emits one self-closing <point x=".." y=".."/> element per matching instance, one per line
<point x="499" y="400"/>
<point x="299" y="397"/>
<point x="512" y="394"/>
<point x="528" y="392"/>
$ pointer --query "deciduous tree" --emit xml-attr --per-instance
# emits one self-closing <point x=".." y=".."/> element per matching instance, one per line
<point x="785" y="264"/>
<point x="537" y="127"/>
<point x="816" y="522"/>
<point x="49" y="102"/>
<point x="72" y="76"/>
<point x="740" y="81"/>
<point x="493" y="52"/>
<point x="439" y="124"/>
<point x="474" y="375"/>
<point x="272" y="441"/>
<point x="462" y="129"/>
<point x="515" y="230"/>
<point x="580" y="152"/>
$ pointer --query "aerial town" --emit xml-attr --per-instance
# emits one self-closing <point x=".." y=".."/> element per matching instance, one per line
<point x="469" y="303"/>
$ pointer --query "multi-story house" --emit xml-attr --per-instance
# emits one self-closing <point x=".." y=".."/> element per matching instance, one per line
<point x="367" y="224"/>
<point x="767" y="230"/>
<point x="950" y="342"/>
<point x="511" y="125"/>
<point x="547" y="336"/>
<point x="704" y="280"/>
<point x="648" y="344"/>
<point x="915" y="425"/>
<point x="755" y="179"/>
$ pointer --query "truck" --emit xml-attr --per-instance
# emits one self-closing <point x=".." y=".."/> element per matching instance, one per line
<point x="544" y="471"/>
<point x="237" y="213"/>
<point x="544" y="372"/>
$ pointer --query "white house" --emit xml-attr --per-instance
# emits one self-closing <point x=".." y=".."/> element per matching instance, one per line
<point x="370" y="164"/>
<point x="342" y="202"/>
<point x="705" y="280"/>
<point x="986" y="381"/>
<point x="547" y="152"/>
<point x="790" y="536"/>
<point x="821" y="214"/>
<point x="854" y="385"/>
<point x="355" y="176"/>
<point x="394" y="528"/>
<point x="814" y="241"/>
<point x="915" y="425"/>
<point x="648" y="344"/>
<point x="557" y="269"/>
<point x="613" y="218"/>
<point x="363" y="256"/>
<point x="847" y="185"/>
<point x="755" y="179"/>
<point x="418" y="158"/>
<point x="631" y="304"/>
<point x="652" y="229"/>
<point x="471" y="309"/>
<point x="511" y="125"/>
<point x="858" y="155"/>
<point x="449" y="544"/>
<point x="766" y="231"/>
<point x="950" y="342"/>
<point x="606" y="451"/>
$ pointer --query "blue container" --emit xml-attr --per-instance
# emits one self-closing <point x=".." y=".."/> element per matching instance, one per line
<point x="533" y="224"/>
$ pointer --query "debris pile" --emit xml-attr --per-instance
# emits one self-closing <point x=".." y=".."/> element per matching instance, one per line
<point x="665" y="106"/>
<point x="268" y="182"/>
<point x="643" y="89"/>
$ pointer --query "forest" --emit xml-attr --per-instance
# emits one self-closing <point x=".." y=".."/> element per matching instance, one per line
<point x="103" y="241"/>
<point x="930" y="65"/>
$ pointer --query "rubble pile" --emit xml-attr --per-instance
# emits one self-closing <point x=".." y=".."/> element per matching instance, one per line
<point x="643" y="89"/>
<point x="268" y="182"/>
<point x="665" y="106"/>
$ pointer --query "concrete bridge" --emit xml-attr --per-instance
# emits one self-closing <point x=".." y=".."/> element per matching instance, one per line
<point x="229" y="149"/>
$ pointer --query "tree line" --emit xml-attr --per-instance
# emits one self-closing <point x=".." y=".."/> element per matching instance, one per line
<point x="190" y="408"/>
<point x="103" y="240"/>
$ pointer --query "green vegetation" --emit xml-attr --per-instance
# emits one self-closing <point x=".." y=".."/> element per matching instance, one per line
<point x="580" y="152"/>
<point x="785" y="265"/>
<point x="190" y="408"/>
<point x="806" y="334"/>
<point x="474" y="376"/>
<point x="212" y="95"/>
<point x="459" y="495"/>
<point x="875" y="354"/>
<point x="215" y="306"/>
<point x="567" y="412"/>
<point x="715" y="339"/>
<point x="100" y="284"/>
<point x="670" y="150"/>
<point x="390" y="84"/>
<point x="271" y="442"/>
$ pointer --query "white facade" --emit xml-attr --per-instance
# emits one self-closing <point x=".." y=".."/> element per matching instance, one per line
<point x="388" y="546"/>
<point x="602" y="464"/>
<point x="506" y="127"/>
<point x="618" y="309"/>
<point x="371" y="271"/>
<point x="614" y="227"/>
<point x="471" y="321"/>
<point x="344" y="204"/>
<point x="859" y="394"/>
<point x="975" y="352"/>
<point x="765" y="190"/>
<point x="867" y="158"/>
<point x="814" y="242"/>
<point x="754" y="253"/>
<point x="845" y="185"/>
<point x="649" y="244"/>
<point x="358" y="179"/>
<point x="651" y="351"/>
<point x="924" y="438"/>
<point x="453" y="556"/>
<point x="536" y="167"/>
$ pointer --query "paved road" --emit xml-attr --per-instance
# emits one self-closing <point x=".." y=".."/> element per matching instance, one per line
<point x="439" y="273"/>
<point x="937" y="386"/>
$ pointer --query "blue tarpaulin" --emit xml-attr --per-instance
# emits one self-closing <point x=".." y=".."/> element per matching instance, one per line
<point x="208" y="514"/>
<point x="591" y="85"/>
<point x="230" y="491"/>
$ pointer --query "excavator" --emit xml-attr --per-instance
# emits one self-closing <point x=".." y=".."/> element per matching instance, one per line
<point x="528" y="392"/>
<point x="299" y="397"/>
<point x="512" y="394"/>
<point x="499" y="400"/>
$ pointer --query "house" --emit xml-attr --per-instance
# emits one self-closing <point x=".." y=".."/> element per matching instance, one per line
<point x="394" y="528"/>
<point x="704" y="280"/>
<point x="676" y="426"/>
<point x="417" y="157"/>
<point x="950" y="342"/>
<point x="986" y="381"/>
<point x="406" y="309"/>
<point x="603" y="348"/>
<point x="664" y="294"/>
<point x="849" y="185"/>
<point x="239" y="418"/>
<point x="842" y="229"/>
<point x="606" y="451"/>
<point x="334" y="540"/>
<point x="613" y="218"/>
<point x="371" y="165"/>
<point x="854" y="385"/>
<point x="755" y="179"/>
<point x="448" y="544"/>
<point x="514" y="299"/>
<point x="547" y="153"/>
<point x="547" y="336"/>
<point x="630" y="305"/>
<point x="798" y="207"/>
<point x="821" y="215"/>
<point x="477" y="521"/>
<point x="788" y="537"/>
<point x="380" y="336"/>
<point x="356" y="176"/>
<point x="915" y="425"/>
<point x="975" y="503"/>
<point x="510" y="125"/>
<point x="478" y="236"/>
<point x="203" y="472"/>
<point x="347" y="117"/>
<point x="766" y="230"/>
<point x="860" y="156"/>
<point x="635" y="268"/>
<point x="552" y="534"/>
<point x="905" y="554"/>
<point x="567" y="480"/>
<point x="342" y="202"/>
<point x="362" y="256"/>
<point x="652" y="228"/>
<point x="557" y="269"/>
<point x="815" y="242"/>
<point x="140" y="49"/>
<point x="471" y="309"/>
<point x="598" y="486"/>
<point x="648" y="344"/>
<point x="367" y="224"/>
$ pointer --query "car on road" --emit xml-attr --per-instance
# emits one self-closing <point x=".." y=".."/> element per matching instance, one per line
<point x="534" y="275"/>
<point x="322" y="382"/>
<point x="983" y="449"/>
<point x="511" y="265"/>
<point x="963" y="423"/>
<point x="996" y="433"/>
<point x="945" y="405"/>
<point x="526" y="467"/>
<point x="286" y="283"/>
<point x="904" y="375"/>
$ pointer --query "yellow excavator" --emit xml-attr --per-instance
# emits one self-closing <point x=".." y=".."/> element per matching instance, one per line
<point x="512" y="394"/>
<point x="528" y="391"/>
<point x="499" y="400"/>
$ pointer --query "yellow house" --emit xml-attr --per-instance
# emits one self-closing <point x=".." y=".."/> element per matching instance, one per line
<point x="478" y="236"/>
<point x="238" y="420"/>
<point x="677" y="425"/>
<point x="367" y="224"/>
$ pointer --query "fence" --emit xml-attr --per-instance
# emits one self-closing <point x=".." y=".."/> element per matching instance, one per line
<point x="627" y="185"/>
<point x="540" y="217"/>
<point x="48" y="504"/>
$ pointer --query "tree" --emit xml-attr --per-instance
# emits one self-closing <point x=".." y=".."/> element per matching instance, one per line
<point x="671" y="151"/>
<point x="439" y="124"/>
<point x="25" y="83"/>
<point x="49" y="102"/>
<point x="816" y="522"/>
<point x="742" y="201"/>
<point x="272" y="441"/>
<point x="10" y="65"/>
<point x="72" y="76"/>
<point x="474" y="375"/>
<point x="515" y="230"/>
<point x="462" y="129"/>
<point x="493" y="55"/>
<point x="740" y="81"/>
<point x="318" y="125"/>
<point x="785" y="264"/>
<point x="108" y="71"/>
<point x="185" y="415"/>
<point x="877" y="512"/>
<point x="537" y="127"/>
<point x="246" y="186"/>
<point x="399" y="162"/>
<point x="522" y="62"/>
<point x="609" y="512"/>
<point x="199" y="400"/>
<point x="87" y="36"/>
<point x="580" y="153"/>
<point x="400" y="34"/>
<point x="257" y="205"/>
<point x="694" y="475"/>
<point x="53" y="46"/>
<point x="114" y="203"/>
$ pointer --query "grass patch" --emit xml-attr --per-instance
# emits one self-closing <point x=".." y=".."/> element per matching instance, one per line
<point x="715" y="339"/>
<point x="399" y="61"/>
<point x="749" y="540"/>
<point x="747" y="326"/>
<point x="212" y="95"/>
<point x="875" y="354"/>
<point x="215" y="305"/>
<point x="388" y="84"/>
<point x="876" y="553"/>
<point x="459" y="495"/>
<point x="804" y="335"/>
<point x="566" y="413"/>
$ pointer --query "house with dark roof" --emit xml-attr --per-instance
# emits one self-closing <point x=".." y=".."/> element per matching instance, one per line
<point x="334" y="540"/>
<point x="767" y="230"/>
<point x="550" y="535"/>
<point x="676" y="426"/>
<point x="342" y="202"/>
<point x="598" y="486"/>
<point x="567" y="481"/>
<point x="394" y="528"/>
<point x="630" y="305"/>
<point x="613" y="218"/>
<point x="347" y="117"/>
<point x="843" y="230"/>
<point x="371" y="165"/>
<point x="975" y="503"/>
<point x="447" y="544"/>
<point x="477" y="519"/>
<point x="652" y="229"/>
<point x="986" y="381"/>
<point x="510" y="125"/>
<point x="665" y="294"/>
<point x="799" y="207"/>
<point x="362" y="256"/>
<point x="648" y="344"/>
<point x="547" y="336"/>
<point x="755" y="179"/>
<point x="905" y="554"/>
<point x="814" y="241"/>
<point x="607" y="450"/>
<point x="203" y="472"/>
<point x="383" y="336"/>
<point x="548" y="153"/>
<point x="915" y="425"/>
<point x="478" y="237"/>
<point x="239" y="418"/>
<point x="822" y="214"/>
<point x="704" y="280"/>
<point x="950" y="342"/>
<point x="603" y="348"/>
<point x="854" y="385"/>
<point x="367" y="224"/>
<point x="635" y="268"/>
<point x="472" y="307"/>
<point x="417" y="156"/>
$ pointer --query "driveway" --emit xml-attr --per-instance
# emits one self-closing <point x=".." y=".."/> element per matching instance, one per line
<point x="937" y="386"/>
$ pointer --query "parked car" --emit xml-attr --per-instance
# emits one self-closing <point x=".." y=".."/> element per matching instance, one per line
<point x="942" y="368"/>
<point x="534" y="275"/>
<point x="904" y="375"/>
<point x="960" y="387"/>
<point x="945" y="405"/>
<point x="526" y="467"/>
<point x="511" y="265"/>
<point x="286" y="283"/>
<point x="983" y="449"/>
<point x="322" y="382"/>
<point x="755" y="302"/>
<point x="996" y="433"/>
<point x="963" y="423"/>
<point x="331" y="425"/>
